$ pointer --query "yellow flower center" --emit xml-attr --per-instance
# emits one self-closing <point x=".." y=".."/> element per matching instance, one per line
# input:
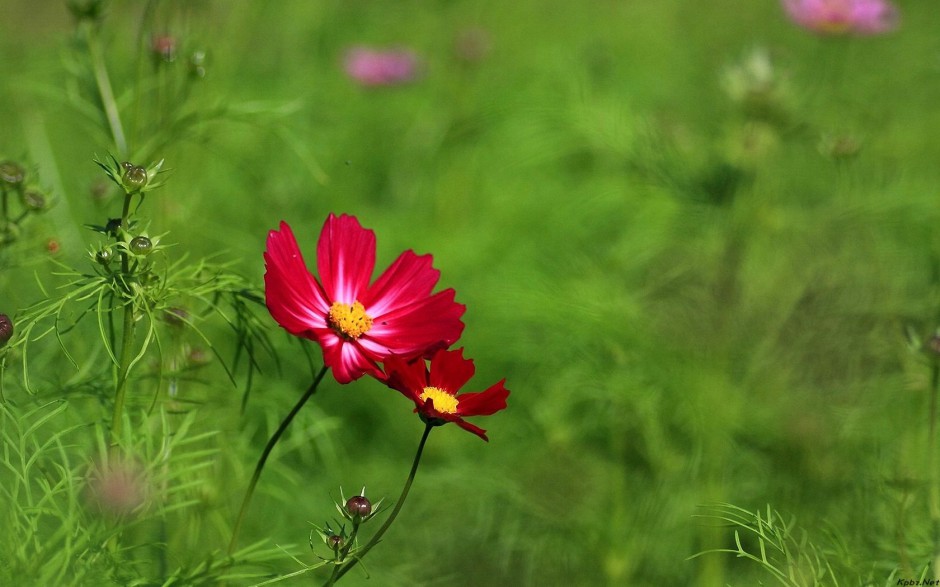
<point x="444" y="402"/>
<point x="350" y="322"/>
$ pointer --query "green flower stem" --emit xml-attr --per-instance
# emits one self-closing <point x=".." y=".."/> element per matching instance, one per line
<point x="105" y="90"/>
<point x="127" y="340"/>
<point x="340" y="570"/>
<point x="264" y="457"/>
<point x="934" y="491"/>
<point x="344" y="551"/>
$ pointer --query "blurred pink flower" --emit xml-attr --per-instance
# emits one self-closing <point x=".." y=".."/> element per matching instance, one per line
<point x="863" y="17"/>
<point x="117" y="489"/>
<point x="372" y="67"/>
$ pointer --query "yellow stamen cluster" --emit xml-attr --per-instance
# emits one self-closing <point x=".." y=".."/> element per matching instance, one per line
<point x="350" y="322"/>
<point x="444" y="402"/>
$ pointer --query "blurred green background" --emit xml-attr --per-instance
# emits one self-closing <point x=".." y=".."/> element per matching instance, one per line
<point x="697" y="293"/>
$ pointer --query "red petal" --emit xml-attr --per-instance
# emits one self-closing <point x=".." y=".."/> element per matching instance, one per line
<point x="408" y="280"/>
<point x="471" y="428"/>
<point x="450" y="371"/>
<point x="345" y="258"/>
<point x="419" y="328"/>
<point x="293" y="296"/>
<point x="410" y="378"/>
<point x="484" y="403"/>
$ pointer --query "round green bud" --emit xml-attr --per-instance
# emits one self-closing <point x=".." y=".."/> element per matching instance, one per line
<point x="104" y="256"/>
<point x="141" y="245"/>
<point x="135" y="178"/>
<point x="335" y="542"/>
<point x="12" y="172"/>
<point x="34" y="200"/>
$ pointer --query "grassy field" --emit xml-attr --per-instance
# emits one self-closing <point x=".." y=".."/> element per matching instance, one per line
<point x="698" y="241"/>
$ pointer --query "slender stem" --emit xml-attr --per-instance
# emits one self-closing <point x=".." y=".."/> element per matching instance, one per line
<point x="264" y="457"/>
<point x="6" y="208"/>
<point x="127" y="340"/>
<point x="107" y="93"/>
<point x="934" y="492"/>
<point x="127" y="345"/>
<point x="340" y="570"/>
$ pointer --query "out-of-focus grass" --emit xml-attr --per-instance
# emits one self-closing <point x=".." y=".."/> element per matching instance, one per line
<point x="679" y="323"/>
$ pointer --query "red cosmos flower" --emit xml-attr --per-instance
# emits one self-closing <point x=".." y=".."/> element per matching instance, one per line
<point x="358" y="324"/>
<point x="434" y="392"/>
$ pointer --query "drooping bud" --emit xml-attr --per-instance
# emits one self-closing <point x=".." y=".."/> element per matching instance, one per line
<point x="6" y="330"/>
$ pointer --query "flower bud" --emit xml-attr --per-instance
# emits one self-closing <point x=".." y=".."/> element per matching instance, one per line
<point x="34" y="200"/>
<point x="176" y="317"/>
<point x="164" y="48"/>
<point x="113" y="226"/>
<point x="86" y="9"/>
<point x="359" y="506"/>
<point x="104" y="257"/>
<point x="932" y="346"/>
<point x="141" y="245"/>
<point x="134" y="178"/>
<point x="197" y="64"/>
<point x="334" y="541"/>
<point x="12" y="172"/>
<point x="6" y="330"/>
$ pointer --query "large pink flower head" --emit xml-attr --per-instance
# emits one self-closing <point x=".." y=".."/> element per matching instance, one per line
<point x="358" y="324"/>
<point x="372" y="67"/>
<point x="434" y="390"/>
<point x="864" y="17"/>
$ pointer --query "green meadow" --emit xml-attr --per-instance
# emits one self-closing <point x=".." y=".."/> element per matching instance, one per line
<point x="700" y="243"/>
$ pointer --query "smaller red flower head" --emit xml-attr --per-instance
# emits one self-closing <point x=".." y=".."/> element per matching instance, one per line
<point x="434" y="391"/>
<point x="357" y="324"/>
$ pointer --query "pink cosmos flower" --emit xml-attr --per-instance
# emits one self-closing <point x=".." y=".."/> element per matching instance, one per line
<point x="372" y="67"/>
<point x="358" y="324"/>
<point x="434" y="391"/>
<point x="864" y="17"/>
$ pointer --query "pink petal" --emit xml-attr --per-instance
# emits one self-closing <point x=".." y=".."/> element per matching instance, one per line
<point x="419" y="328"/>
<point x="408" y="280"/>
<point x="345" y="258"/>
<point x="293" y="296"/>
<point x="346" y="360"/>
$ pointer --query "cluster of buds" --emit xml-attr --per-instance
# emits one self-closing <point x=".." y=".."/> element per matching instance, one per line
<point x="165" y="48"/>
<point x="17" y="185"/>
<point x="356" y="510"/>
